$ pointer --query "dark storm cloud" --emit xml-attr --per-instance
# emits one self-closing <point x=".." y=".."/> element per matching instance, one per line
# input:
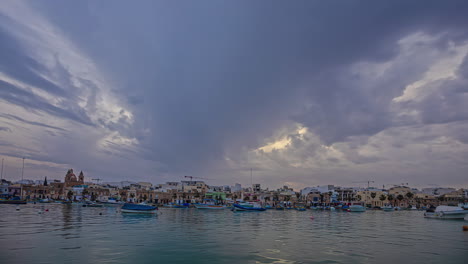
<point x="207" y="79"/>
<point x="32" y="102"/>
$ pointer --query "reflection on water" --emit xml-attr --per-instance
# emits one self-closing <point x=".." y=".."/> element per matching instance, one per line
<point x="75" y="234"/>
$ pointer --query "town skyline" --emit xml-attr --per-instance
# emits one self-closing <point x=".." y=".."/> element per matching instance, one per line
<point x="208" y="181"/>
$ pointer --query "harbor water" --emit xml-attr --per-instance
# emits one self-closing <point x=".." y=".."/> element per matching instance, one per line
<point x="59" y="233"/>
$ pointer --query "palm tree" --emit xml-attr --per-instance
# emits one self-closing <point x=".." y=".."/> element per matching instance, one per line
<point x="400" y="197"/>
<point x="373" y="195"/>
<point x="382" y="197"/>
<point x="390" y="198"/>
<point x="409" y="195"/>
<point x="69" y="195"/>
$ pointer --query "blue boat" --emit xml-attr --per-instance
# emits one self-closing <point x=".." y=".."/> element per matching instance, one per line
<point x="247" y="207"/>
<point x="138" y="208"/>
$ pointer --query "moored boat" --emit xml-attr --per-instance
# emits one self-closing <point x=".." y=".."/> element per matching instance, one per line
<point x="446" y="212"/>
<point x="14" y="200"/>
<point x="357" y="207"/>
<point x="138" y="208"/>
<point x="247" y="207"/>
<point x="300" y="208"/>
<point x="279" y="207"/>
<point x="388" y="208"/>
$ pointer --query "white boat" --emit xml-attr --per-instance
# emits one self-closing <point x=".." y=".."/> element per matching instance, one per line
<point x="357" y="207"/>
<point x="111" y="201"/>
<point x="413" y="207"/>
<point x="446" y="212"/>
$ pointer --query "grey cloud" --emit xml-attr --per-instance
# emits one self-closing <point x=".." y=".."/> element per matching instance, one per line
<point x="210" y="79"/>
<point x="6" y="129"/>
<point x="16" y="118"/>
<point x="30" y="101"/>
<point x="21" y="66"/>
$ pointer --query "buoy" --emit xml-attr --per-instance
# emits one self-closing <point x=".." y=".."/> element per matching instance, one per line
<point x="47" y="210"/>
<point x="312" y="217"/>
<point x="465" y="228"/>
<point x="100" y="213"/>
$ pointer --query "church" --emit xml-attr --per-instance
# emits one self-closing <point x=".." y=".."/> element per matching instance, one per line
<point x="71" y="180"/>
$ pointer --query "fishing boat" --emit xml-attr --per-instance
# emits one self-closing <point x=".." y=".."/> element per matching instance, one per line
<point x="357" y="207"/>
<point x="14" y="200"/>
<point x="249" y="207"/>
<point x="46" y="200"/>
<point x="210" y="204"/>
<point x="300" y="207"/>
<point x="279" y="207"/>
<point x="268" y="207"/>
<point x="173" y="205"/>
<point x="446" y="212"/>
<point x="388" y="208"/>
<point x="138" y="208"/>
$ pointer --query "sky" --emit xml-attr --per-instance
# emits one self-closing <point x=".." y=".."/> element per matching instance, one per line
<point x="297" y="93"/>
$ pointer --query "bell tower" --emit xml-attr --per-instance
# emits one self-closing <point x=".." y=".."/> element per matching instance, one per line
<point x="81" y="177"/>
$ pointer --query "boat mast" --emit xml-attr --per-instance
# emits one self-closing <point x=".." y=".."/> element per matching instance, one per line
<point x="21" y="184"/>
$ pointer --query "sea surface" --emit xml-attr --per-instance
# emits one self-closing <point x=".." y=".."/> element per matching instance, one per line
<point x="75" y="234"/>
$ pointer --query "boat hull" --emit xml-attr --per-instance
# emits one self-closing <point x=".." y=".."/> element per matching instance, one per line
<point x="139" y="211"/>
<point x="247" y="209"/>
<point x="138" y="208"/>
<point x="446" y="215"/>
<point x="357" y="208"/>
<point x="13" y="202"/>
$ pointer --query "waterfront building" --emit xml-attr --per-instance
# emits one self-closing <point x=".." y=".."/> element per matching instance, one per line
<point x="372" y="197"/>
<point x="437" y="191"/>
<point x="236" y="188"/>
